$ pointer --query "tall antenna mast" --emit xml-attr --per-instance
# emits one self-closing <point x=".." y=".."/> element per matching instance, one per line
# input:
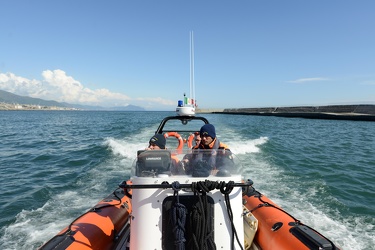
<point x="187" y="106"/>
<point x="192" y="85"/>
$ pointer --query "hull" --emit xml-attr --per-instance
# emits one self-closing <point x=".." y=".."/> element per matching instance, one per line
<point x="201" y="206"/>
<point x="151" y="216"/>
<point x="105" y="226"/>
<point x="279" y="230"/>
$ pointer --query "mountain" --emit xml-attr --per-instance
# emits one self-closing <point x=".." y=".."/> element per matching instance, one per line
<point x="7" y="97"/>
<point x="11" y="98"/>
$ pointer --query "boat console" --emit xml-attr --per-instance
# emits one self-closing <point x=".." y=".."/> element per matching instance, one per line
<point x="194" y="163"/>
<point x="153" y="162"/>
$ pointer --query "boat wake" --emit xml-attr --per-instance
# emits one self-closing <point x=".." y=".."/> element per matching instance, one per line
<point x="300" y="199"/>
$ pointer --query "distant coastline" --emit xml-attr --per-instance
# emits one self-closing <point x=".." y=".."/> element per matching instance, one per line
<point x="12" y="107"/>
<point x="10" y="101"/>
<point x="360" y="112"/>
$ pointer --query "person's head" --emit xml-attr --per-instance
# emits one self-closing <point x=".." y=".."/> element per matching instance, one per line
<point x="207" y="134"/>
<point x="157" y="142"/>
<point x="197" y="138"/>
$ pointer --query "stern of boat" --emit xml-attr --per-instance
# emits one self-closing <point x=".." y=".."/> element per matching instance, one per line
<point x="169" y="210"/>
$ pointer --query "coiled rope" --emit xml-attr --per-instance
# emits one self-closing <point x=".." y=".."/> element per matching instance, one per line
<point x="178" y="219"/>
<point x="202" y="233"/>
<point x="202" y="237"/>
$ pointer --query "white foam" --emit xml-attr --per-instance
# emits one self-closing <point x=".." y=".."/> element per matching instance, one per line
<point x="128" y="146"/>
<point x="33" y="227"/>
<point x="247" y="147"/>
<point x="290" y="194"/>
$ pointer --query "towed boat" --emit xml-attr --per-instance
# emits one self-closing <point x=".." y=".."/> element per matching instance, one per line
<point x="180" y="199"/>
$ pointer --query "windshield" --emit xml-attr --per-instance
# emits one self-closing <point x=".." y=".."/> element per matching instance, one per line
<point x="192" y="162"/>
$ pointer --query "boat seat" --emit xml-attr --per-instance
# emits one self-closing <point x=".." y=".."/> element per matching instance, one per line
<point x="153" y="162"/>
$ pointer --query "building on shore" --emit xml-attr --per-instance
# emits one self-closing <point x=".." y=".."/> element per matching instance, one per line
<point x="16" y="106"/>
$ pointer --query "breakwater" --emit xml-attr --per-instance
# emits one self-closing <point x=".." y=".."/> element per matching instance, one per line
<point x="361" y="112"/>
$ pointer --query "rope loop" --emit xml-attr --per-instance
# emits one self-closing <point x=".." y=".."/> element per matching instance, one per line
<point x="227" y="189"/>
<point x="178" y="218"/>
<point x="206" y="186"/>
<point x="176" y="186"/>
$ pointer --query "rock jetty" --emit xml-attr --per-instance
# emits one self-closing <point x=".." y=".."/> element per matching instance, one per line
<point x="362" y="112"/>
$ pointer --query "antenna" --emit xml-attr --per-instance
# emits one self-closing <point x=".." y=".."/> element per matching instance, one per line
<point x="192" y="85"/>
<point x="187" y="107"/>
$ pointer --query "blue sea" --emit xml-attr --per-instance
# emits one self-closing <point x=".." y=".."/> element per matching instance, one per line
<point x="55" y="165"/>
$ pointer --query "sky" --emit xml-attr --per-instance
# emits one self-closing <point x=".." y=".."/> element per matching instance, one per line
<point x="247" y="53"/>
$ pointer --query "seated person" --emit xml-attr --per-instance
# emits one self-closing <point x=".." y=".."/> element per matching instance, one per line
<point x="158" y="142"/>
<point x="197" y="140"/>
<point x="215" y="158"/>
<point x="209" y="139"/>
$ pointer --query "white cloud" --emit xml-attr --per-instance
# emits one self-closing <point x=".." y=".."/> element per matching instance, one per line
<point x="312" y="79"/>
<point x="19" y="85"/>
<point x="66" y="89"/>
<point x="57" y="85"/>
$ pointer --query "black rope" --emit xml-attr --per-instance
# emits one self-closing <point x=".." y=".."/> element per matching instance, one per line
<point x="202" y="234"/>
<point x="201" y="189"/>
<point x="166" y="185"/>
<point x="226" y="190"/>
<point x="178" y="219"/>
<point x="266" y="204"/>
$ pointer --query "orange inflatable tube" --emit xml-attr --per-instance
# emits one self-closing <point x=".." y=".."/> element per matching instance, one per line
<point x="99" y="228"/>
<point x="279" y="230"/>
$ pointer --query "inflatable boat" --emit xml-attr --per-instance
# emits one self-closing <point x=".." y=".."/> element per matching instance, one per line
<point x="175" y="199"/>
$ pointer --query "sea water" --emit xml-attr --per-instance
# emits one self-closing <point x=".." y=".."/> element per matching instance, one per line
<point x="55" y="165"/>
